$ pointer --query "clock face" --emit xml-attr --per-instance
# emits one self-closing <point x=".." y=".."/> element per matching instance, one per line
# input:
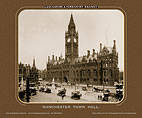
<point x="75" y="40"/>
<point x="69" y="40"/>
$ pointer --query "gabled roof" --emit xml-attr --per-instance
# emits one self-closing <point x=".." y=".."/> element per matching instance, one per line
<point x="86" y="59"/>
<point x="106" y="50"/>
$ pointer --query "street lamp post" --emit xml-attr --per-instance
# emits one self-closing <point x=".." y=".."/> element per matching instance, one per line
<point x="102" y="78"/>
<point x="27" y="90"/>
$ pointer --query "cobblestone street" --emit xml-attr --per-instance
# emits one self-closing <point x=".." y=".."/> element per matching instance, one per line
<point x="52" y="97"/>
<point x="87" y="96"/>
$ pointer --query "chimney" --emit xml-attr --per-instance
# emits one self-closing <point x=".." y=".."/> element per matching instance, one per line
<point x="53" y="58"/>
<point x="93" y="52"/>
<point x="100" y="47"/>
<point x="88" y="53"/>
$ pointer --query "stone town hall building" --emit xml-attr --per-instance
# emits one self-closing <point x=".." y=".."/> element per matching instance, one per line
<point x="96" y="68"/>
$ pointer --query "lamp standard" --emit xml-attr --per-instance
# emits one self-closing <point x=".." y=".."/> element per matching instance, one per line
<point x="27" y="86"/>
<point x="102" y="78"/>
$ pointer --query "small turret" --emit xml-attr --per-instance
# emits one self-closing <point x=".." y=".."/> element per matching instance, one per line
<point x="114" y="47"/>
<point x="56" y="58"/>
<point x="88" y="53"/>
<point x="114" y="44"/>
<point x="34" y="63"/>
<point x="93" y="53"/>
<point x="53" y="58"/>
<point x="100" y="47"/>
<point x="48" y="59"/>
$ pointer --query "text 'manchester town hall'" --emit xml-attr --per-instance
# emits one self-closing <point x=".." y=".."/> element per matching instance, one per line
<point x="96" y="68"/>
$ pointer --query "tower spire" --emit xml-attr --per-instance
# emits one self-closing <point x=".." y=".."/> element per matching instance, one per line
<point x="71" y="23"/>
<point x="71" y="20"/>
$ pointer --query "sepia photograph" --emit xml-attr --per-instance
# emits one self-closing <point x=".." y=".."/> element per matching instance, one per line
<point x="70" y="56"/>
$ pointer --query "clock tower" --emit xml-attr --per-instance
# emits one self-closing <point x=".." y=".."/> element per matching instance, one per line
<point x="71" y="42"/>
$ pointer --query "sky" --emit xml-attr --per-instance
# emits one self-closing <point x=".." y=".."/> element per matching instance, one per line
<point x="41" y="33"/>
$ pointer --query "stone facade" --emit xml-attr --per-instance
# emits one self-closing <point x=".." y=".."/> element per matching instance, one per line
<point x="96" y="68"/>
<point x="26" y="71"/>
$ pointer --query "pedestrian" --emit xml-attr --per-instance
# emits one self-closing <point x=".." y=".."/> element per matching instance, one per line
<point x="101" y="97"/>
<point x="63" y="96"/>
<point x="98" y="97"/>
